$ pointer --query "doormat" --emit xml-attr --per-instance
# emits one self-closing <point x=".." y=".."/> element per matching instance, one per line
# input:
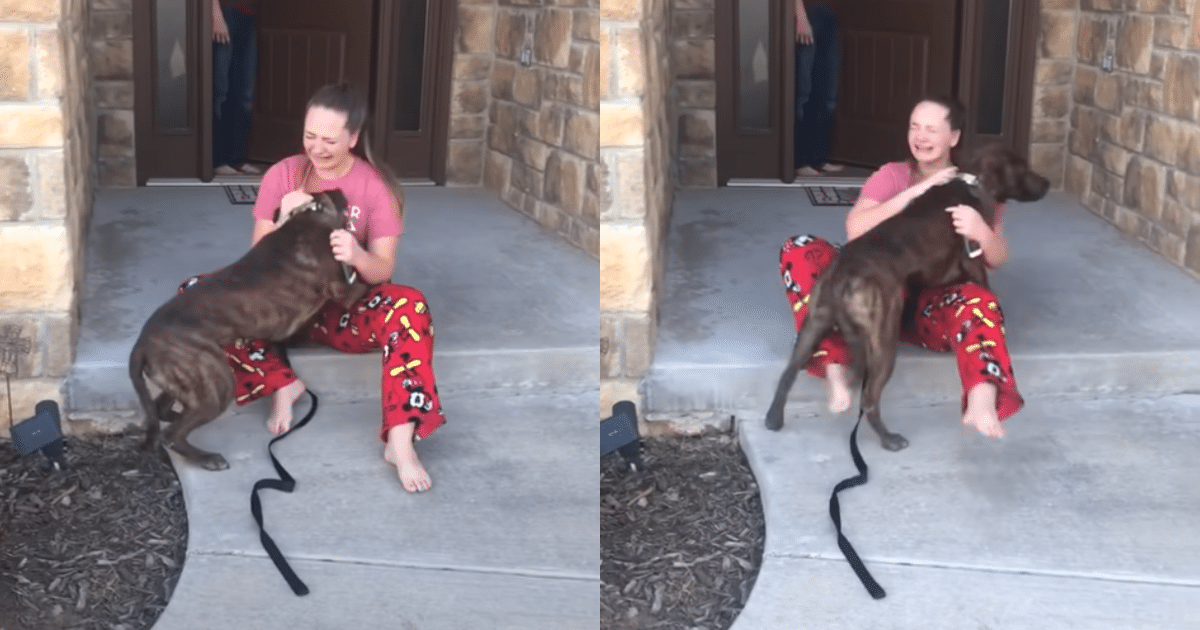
<point x="242" y="194"/>
<point x="832" y="195"/>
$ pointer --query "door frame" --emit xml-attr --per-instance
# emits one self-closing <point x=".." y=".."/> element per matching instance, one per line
<point x="194" y="142"/>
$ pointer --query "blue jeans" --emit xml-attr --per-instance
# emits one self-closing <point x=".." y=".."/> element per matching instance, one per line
<point x="818" y="67"/>
<point x="234" y="75"/>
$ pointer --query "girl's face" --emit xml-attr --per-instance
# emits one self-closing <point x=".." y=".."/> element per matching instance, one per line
<point x="326" y="140"/>
<point x="929" y="135"/>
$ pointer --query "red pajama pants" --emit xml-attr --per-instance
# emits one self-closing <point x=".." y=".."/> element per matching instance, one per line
<point x="390" y="317"/>
<point x="965" y="319"/>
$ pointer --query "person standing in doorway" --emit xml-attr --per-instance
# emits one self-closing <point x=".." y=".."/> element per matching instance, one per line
<point x="818" y="64"/>
<point x="235" y="64"/>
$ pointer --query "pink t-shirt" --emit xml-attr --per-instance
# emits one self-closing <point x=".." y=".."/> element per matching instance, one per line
<point x="371" y="212"/>
<point x="893" y="178"/>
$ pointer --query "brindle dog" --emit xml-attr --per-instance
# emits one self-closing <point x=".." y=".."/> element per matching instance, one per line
<point x="269" y="293"/>
<point x="861" y="294"/>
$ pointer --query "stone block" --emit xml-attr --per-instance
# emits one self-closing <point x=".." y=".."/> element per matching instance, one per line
<point x="631" y="65"/>
<point x="1078" y="175"/>
<point x="16" y="191"/>
<point x="117" y="171"/>
<point x="1102" y="5"/>
<point x="1060" y="4"/>
<point x="472" y="67"/>
<point x="1143" y="93"/>
<point x="31" y="126"/>
<point x="1181" y="86"/>
<point x="532" y="153"/>
<point x="1189" y="148"/>
<point x="1092" y="40"/>
<point x="1158" y="64"/>
<point x="585" y="26"/>
<point x="1051" y="101"/>
<point x="51" y="180"/>
<point x="610" y="345"/>
<point x="510" y="33"/>
<point x="1053" y="72"/>
<point x="1175" y="217"/>
<point x="503" y="76"/>
<point x="14" y="75"/>
<point x="475" y="29"/>
<point x="590" y="89"/>
<point x="698" y="172"/>
<point x="1126" y="130"/>
<point x="564" y="182"/>
<point x="697" y="132"/>
<point x="36" y="272"/>
<point x="114" y="94"/>
<point x="620" y="10"/>
<point x="621" y="125"/>
<point x="1149" y="6"/>
<point x="60" y="331"/>
<point x="1048" y="160"/>
<point x="1135" y="35"/>
<point x="470" y="97"/>
<point x="51" y="72"/>
<point x="30" y="10"/>
<point x="1108" y="92"/>
<point x="1184" y="187"/>
<point x="628" y="200"/>
<point x="112" y="60"/>
<point x="614" y="390"/>
<point x="466" y="126"/>
<point x="1194" y="40"/>
<point x="527" y="87"/>
<point x="1084" y="131"/>
<point x="1057" y="37"/>
<point x="581" y="133"/>
<point x="695" y="94"/>
<point x="464" y="163"/>
<point x="694" y="59"/>
<point x="1170" y="31"/>
<point x="111" y="25"/>
<point x="1143" y="187"/>
<point x="114" y="132"/>
<point x="1084" y="87"/>
<point x="626" y="268"/>
<point x="639" y="345"/>
<point x="552" y="37"/>
<point x="693" y="24"/>
<point x="1049" y="131"/>
<point x="497" y="171"/>
<point x="606" y="79"/>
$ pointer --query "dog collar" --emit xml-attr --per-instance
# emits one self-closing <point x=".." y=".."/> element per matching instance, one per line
<point x="969" y="178"/>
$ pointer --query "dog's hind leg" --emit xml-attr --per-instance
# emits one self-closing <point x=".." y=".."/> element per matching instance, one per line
<point x="880" y="337"/>
<point x="818" y="324"/>
<point x="212" y="396"/>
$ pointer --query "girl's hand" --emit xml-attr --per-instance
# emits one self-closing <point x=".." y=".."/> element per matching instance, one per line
<point x="804" y="30"/>
<point x="290" y="202"/>
<point x="220" y="28"/>
<point x="345" y="247"/>
<point x="968" y="222"/>
<point x="941" y="177"/>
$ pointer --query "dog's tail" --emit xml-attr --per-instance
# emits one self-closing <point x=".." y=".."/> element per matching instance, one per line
<point x="137" y="374"/>
<point x="817" y="325"/>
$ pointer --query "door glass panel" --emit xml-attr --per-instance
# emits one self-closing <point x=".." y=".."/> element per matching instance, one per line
<point x="410" y="64"/>
<point x="993" y="60"/>
<point x="171" y="65"/>
<point x="754" y="41"/>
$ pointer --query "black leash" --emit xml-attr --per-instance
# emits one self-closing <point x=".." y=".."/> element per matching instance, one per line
<point x="835" y="513"/>
<point x="285" y="483"/>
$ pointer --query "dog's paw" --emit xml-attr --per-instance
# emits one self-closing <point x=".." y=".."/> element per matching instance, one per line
<point x="214" y="462"/>
<point x="774" y="420"/>
<point x="894" y="442"/>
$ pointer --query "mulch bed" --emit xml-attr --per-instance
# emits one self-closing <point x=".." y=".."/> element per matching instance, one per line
<point x="681" y="541"/>
<point x="98" y="546"/>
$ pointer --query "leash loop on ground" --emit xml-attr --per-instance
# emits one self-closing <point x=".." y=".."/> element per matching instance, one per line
<point x="285" y="483"/>
<point x="835" y="513"/>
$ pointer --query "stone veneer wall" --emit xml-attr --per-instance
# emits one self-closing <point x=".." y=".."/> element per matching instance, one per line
<point x="111" y="52"/>
<point x="541" y="153"/>
<point x="1134" y="149"/>
<point x="45" y="189"/>
<point x="636" y="116"/>
<point x="694" y="91"/>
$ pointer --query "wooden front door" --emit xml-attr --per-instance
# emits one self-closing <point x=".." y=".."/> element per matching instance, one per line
<point x="893" y="52"/>
<point x="303" y="45"/>
<point x="398" y="52"/>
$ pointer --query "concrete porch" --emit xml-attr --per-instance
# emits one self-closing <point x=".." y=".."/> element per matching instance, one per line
<point x="515" y="315"/>
<point x="1072" y="521"/>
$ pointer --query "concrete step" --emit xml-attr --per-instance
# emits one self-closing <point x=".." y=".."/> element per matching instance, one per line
<point x="513" y="306"/>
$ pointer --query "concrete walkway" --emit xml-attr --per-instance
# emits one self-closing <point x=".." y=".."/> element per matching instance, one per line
<point x="508" y="537"/>
<point x="1082" y="517"/>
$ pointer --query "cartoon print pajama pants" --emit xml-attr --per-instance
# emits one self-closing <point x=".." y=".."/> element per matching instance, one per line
<point x="391" y="317"/>
<point x="965" y="319"/>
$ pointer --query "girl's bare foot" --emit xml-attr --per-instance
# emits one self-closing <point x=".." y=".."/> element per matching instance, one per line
<point x="400" y="453"/>
<point x="807" y="171"/>
<point x="281" y="413"/>
<point x="831" y="168"/>
<point x="838" y="380"/>
<point x="981" y="410"/>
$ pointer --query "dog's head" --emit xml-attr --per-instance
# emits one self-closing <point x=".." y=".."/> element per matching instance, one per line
<point x="1005" y="175"/>
<point x="328" y="208"/>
